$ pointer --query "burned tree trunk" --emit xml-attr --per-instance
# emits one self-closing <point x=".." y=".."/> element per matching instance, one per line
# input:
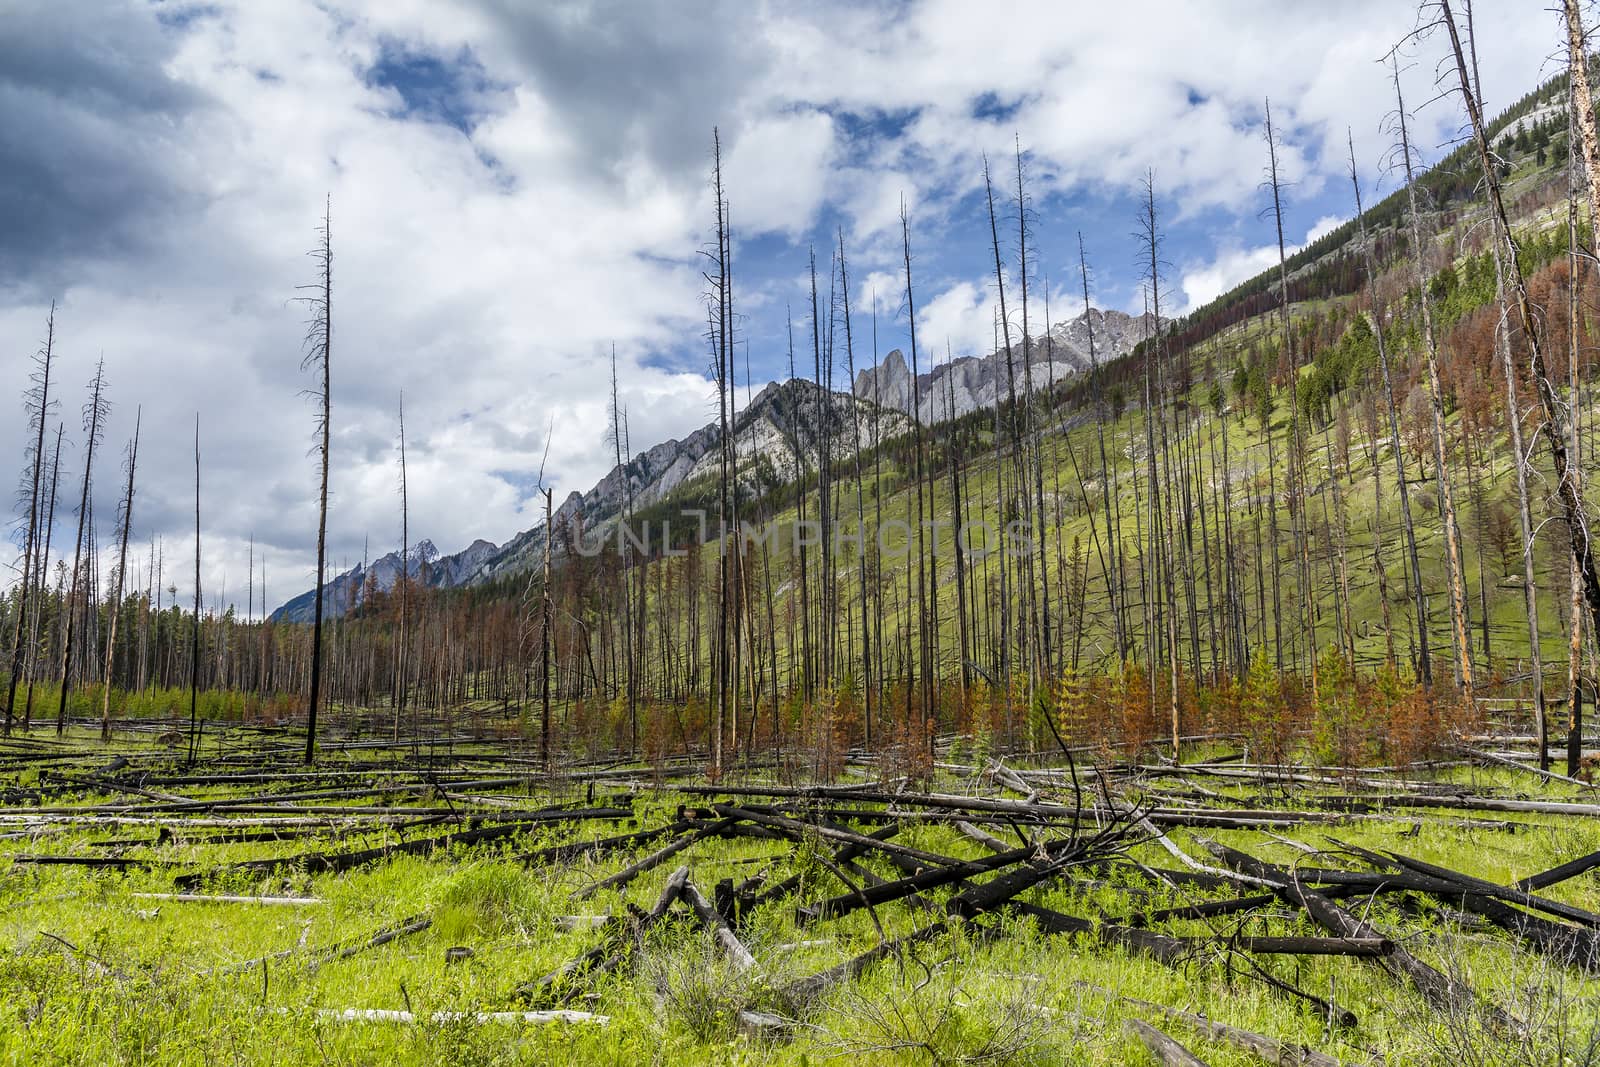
<point x="94" y="414"/>
<point x="319" y="349"/>
<point x="39" y="403"/>
<point x="126" y="523"/>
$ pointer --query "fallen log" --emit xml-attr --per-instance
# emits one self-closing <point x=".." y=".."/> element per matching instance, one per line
<point x="513" y="1018"/>
<point x="971" y="902"/>
<point x="1162" y="1047"/>
<point x="1569" y="869"/>
<point x="1270" y="1049"/>
<point x="619" y="936"/>
<point x="1313" y="946"/>
<point x="797" y="826"/>
<point x="871" y="896"/>
<point x="846" y="852"/>
<point x="799" y="994"/>
<point x="1507" y="893"/>
<point x="1163" y="948"/>
<point x="572" y="850"/>
<point x="655" y="859"/>
<point x="334" y="862"/>
<point x="338" y="950"/>
<point x="1574" y="946"/>
<point x="982" y="837"/>
<point x="1444" y="993"/>
<point x="118" y="863"/>
<point x="713" y="921"/>
<point x="1459" y="803"/>
<point x="414" y="925"/>
<point x="210" y="898"/>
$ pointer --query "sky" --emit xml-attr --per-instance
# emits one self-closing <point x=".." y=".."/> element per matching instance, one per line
<point x="520" y="189"/>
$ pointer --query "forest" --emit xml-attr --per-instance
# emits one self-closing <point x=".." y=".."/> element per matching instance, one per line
<point x="1293" y="603"/>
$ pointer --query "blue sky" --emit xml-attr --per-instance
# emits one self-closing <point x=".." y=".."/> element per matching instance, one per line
<point x="517" y="187"/>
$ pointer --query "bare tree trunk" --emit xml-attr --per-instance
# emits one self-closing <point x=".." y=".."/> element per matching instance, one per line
<point x="93" y="419"/>
<point x="1297" y="452"/>
<point x="926" y="666"/>
<point x="404" y="581"/>
<point x="43" y="572"/>
<point x="1574" y="281"/>
<point x="1569" y="491"/>
<point x="1113" y="532"/>
<point x="1580" y="114"/>
<point x="194" y="641"/>
<point x="41" y="409"/>
<point x="1424" y="657"/>
<point x="122" y="569"/>
<point x="1447" y="507"/>
<point x="861" y="513"/>
<point x="1040" y="590"/>
<point x="319" y="342"/>
<point x="1155" y="352"/>
<point x="547" y="615"/>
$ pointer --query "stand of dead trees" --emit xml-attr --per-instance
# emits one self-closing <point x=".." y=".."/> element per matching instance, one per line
<point x="1200" y="550"/>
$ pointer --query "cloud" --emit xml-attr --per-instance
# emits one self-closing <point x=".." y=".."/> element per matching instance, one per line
<point x="515" y="188"/>
<point x="779" y="166"/>
<point x="91" y="117"/>
<point x="962" y="315"/>
<point x="1204" y="282"/>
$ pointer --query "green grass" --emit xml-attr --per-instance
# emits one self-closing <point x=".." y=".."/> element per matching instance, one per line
<point x="133" y="988"/>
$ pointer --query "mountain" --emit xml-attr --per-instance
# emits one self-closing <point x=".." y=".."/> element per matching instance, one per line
<point x="783" y="427"/>
<point x="954" y="388"/>
<point x="347" y="590"/>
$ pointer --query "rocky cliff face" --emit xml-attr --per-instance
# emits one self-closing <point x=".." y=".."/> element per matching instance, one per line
<point x="949" y="390"/>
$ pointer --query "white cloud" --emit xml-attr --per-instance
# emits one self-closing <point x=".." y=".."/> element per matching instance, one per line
<point x="779" y="166"/>
<point x="1324" y="226"/>
<point x="962" y="315"/>
<point x="1204" y="282"/>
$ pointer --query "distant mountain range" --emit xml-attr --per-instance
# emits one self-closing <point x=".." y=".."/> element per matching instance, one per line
<point x="780" y="429"/>
<point x="776" y="432"/>
<point x="347" y="590"/>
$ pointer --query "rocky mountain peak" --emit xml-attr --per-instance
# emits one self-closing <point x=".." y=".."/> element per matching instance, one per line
<point x="965" y="384"/>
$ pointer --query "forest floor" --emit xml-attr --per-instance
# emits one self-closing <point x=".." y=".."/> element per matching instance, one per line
<point x="449" y="903"/>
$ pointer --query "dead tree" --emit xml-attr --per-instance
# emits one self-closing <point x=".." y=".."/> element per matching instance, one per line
<point x="37" y="405"/>
<point x="999" y="476"/>
<point x="1162" y="520"/>
<point x="402" y="582"/>
<point x="926" y="664"/>
<point x="1447" y="507"/>
<point x="1113" y="539"/>
<point x="1297" y="483"/>
<point x="1574" y="278"/>
<point x="42" y="570"/>
<point x="194" y="628"/>
<point x="125" y="523"/>
<point x="623" y="522"/>
<point x="318" y="350"/>
<point x="861" y="514"/>
<point x="1519" y="460"/>
<point x="546" y="617"/>
<point x="94" y="414"/>
<point x="1033" y="507"/>
<point x="1554" y="427"/>
<point x="1581" y="131"/>
<point x="1582" y="105"/>
<point x="1420" y="603"/>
